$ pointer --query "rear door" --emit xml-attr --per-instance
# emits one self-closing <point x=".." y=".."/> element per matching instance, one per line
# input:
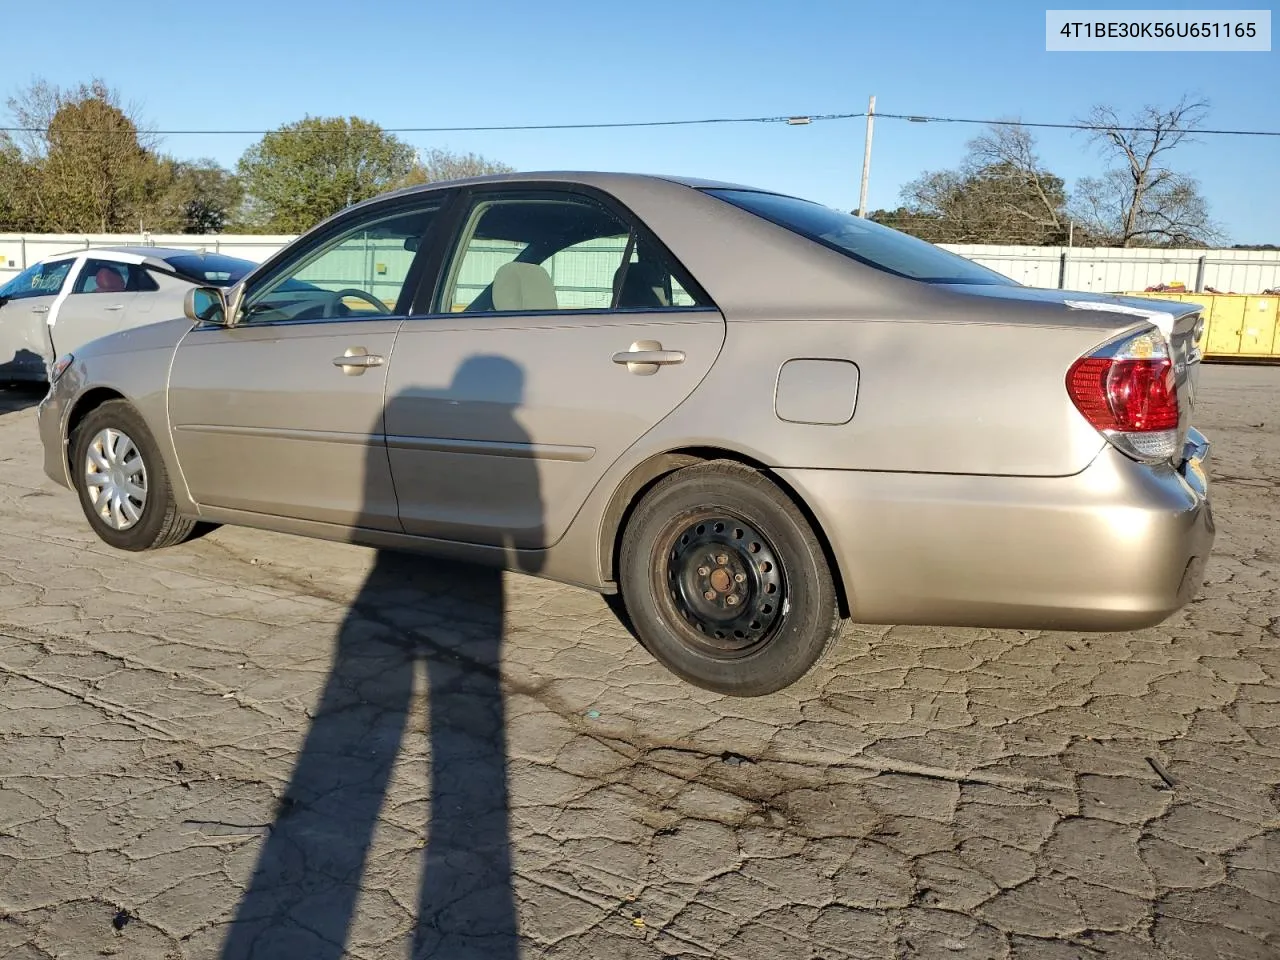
<point x="510" y="391"/>
<point x="100" y="299"/>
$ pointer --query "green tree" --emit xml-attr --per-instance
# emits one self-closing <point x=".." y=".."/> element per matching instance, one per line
<point x="85" y="164"/>
<point x="198" y="196"/>
<point x="14" y="192"/>
<point x="297" y="175"/>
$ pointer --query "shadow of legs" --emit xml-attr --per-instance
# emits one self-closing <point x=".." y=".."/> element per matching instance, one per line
<point x="303" y="892"/>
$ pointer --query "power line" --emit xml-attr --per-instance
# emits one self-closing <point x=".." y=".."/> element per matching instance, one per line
<point x="793" y="120"/>
<point x="917" y="118"/>
<point x="482" y="129"/>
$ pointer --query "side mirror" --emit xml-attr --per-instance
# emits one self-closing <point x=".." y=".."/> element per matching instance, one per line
<point x="205" y="305"/>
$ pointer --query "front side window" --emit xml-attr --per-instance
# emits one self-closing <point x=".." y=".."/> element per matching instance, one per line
<point x="111" y="276"/>
<point x="41" y="280"/>
<point x="358" y="274"/>
<point x="538" y="254"/>
<point x="865" y="241"/>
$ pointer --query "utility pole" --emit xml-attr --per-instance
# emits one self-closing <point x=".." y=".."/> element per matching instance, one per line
<point x="866" y="157"/>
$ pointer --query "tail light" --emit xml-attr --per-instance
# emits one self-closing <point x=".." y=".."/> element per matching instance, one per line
<point x="1127" y="390"/>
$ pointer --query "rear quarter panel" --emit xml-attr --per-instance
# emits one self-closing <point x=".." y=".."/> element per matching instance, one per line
<point x="940" y="397"/>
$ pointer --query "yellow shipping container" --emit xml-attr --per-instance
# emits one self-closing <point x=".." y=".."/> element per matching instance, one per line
<point x="1244" y="326"/>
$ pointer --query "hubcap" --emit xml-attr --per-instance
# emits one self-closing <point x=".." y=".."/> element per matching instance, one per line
<point x="116" y="479"/>
<point x="726" y="583"/>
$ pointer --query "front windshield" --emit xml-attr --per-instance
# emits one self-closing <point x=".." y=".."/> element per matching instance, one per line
<point x="864" y="240"/>
<point x="42" y="279"/>
<point x="21" y="282"/>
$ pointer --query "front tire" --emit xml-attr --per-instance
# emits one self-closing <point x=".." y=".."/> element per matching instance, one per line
<point x="122" y="482"/>
<point x="725" y="581"/>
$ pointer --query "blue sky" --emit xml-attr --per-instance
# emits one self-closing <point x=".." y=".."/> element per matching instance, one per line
<point x="235" y="64"/>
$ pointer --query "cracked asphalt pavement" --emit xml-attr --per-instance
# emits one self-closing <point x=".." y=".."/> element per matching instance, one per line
<point x="260" y="746"/>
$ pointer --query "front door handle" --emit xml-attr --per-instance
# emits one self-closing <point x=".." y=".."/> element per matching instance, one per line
<point x="115" y="306"/>
<point x="356" y="360"/>
<point x="646" y="356"/>
<point x="39" y="309"/>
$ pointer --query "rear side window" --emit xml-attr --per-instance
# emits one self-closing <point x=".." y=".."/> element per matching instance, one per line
<point x="111" y="276"/>
<point x="541" y="253"/>
<point x="865" y="241"/>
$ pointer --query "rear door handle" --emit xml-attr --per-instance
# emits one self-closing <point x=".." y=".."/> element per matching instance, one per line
<point x="115" y="306"/>
<point x="646" y="356"/>
<point x="39" y="309"/>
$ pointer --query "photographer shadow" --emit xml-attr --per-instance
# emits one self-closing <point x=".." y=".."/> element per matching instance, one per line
<point x="413" y="616"/>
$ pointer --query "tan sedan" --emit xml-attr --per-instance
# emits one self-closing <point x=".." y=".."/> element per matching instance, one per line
<point x="748" y="414"/>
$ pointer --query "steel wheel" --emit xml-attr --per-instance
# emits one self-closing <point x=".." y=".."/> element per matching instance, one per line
<point x="725" y="583"/>
<point x="115" y="478"/>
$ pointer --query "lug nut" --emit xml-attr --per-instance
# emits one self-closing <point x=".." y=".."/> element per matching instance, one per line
<point x="740" y="577"/>
<point x="731" y="600"/>
<point x="722" y="559"/>
<point x="711" y="595"/>
<point x="703" y="571"/>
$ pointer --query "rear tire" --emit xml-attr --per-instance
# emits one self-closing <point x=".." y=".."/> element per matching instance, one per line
<point x="725" y="581"/>
<point x="122" y="482"/>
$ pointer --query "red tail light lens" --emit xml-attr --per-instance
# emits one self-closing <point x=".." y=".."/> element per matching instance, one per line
<point x="1128" y="392"/>
<point x="1131" y="396"/>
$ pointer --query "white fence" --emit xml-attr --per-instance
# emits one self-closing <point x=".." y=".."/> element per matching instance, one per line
<point x="1101" y="269"/>
<point x="1110" y="270"/>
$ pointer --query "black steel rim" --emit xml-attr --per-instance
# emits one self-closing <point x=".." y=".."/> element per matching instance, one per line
<point x="726" y="584"/>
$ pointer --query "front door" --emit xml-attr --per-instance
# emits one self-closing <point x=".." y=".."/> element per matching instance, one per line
<point x="30" y="299"/>
<point x="508" y="399"/>
<point x="281" y="413"/>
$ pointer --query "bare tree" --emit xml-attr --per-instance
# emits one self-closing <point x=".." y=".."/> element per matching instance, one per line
<point x="436" y="164"/>
<point x="1140" y="201"/>
<point x="1000" y="193"/>
<point x="1012" y="148"/>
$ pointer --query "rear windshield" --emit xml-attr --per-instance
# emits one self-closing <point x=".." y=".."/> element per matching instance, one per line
<point x="864" y="240"/>
<point x="211" y="268"/>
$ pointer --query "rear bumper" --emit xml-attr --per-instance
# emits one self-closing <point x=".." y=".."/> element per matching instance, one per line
<point x="1119" y="546"/>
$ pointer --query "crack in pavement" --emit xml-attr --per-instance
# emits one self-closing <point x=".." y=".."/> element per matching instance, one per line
<point x="925" y="792"/>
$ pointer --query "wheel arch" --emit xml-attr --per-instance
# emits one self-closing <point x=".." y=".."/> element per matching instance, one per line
<point x="648" y="472"/>
<point x="84" y="405"/>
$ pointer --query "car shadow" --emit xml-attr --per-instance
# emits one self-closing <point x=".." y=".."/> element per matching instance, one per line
<point x="20" y="396"/>
<point x="417" y="624"/>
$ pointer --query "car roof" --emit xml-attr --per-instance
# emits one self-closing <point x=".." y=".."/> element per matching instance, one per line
<point x="158" y="253"/>
<point x="157" y="257"/>
<point x="601" y="180"/>
<point x="591" y="178"/>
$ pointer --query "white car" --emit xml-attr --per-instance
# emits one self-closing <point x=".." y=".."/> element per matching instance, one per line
<point x="61" y="303"/>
